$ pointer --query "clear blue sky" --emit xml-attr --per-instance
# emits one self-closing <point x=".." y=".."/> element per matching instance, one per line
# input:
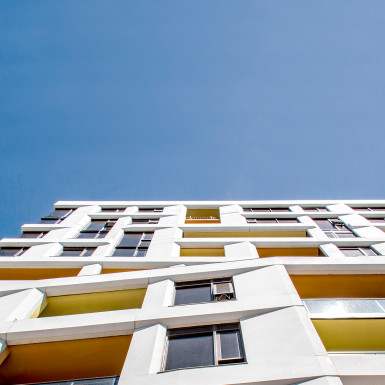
<point x="219" y="99"/>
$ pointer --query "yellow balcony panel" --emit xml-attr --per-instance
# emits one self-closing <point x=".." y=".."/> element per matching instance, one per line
<point x="93" y="302"/>
<point x="65" y="360"/>
<point x="202" y="252"/>
<point x="289" y="252"/>
<point x="202" y="216"/>
<point x="246" y="234"/>
<point x="340" y="285"/>
<point x="31" y="274"/>
<point x="352" y="335"/>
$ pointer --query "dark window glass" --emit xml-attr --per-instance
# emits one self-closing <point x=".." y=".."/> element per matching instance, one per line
<point x="150" y="210"/>
<point x="219" y="289"/>
<point x="33" y="234"/>
<point x="186" y="352"/>
<point x="324" y="224"/>
<point x="48" y="221"/>
<point x="141" y="252"/>
<point x="194" y="294"/>
<point x="11" y="251"/>
<point x="96" y="225"/>
<point x="262" y="220"/>
<point x="58" y="213"/>
<point x="376" y="220"/>
<point x="131" y="239"/>
<point x="77" y="251"/>
<point x="124" y="252"/>
<point x="145" y="220"/>
<point x="112" y="210"/>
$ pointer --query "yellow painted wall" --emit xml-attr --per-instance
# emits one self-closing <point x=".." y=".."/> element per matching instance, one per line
<point x="65" y="360"/>
<point x="267" y="234"/>
<point x="355" y="335"/>
<point x="202" y="252"/>
<point x="93" y="302"/>
<point x="20" y="274"/>
<point x="289" y="252"/>
<point x="202" y="213"/>
<point x="340" y="285"/>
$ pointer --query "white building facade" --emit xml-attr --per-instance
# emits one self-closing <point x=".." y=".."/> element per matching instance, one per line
<point x="187" y="292"/>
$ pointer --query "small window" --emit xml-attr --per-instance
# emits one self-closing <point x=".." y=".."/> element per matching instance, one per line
<point x="265" y="209"/>
<point x="368" y="208"/>
<point x="335" y="228"/>
<point x="315" y="209"/>
<point x="12" y="251"/>
<point x="272" y="220"/>
<point x="97" y="229"/>
<point x="148" y="221"/>
<point x="133" y="244"/>
<point x="151" y="210"/>
<point x="376" y="220"/>
<point x="113" y="209"/>
<point x="77" y="251"/>
<point x="357" y="251"/>
<point x="204" y="346"/>
<point x="56" y="216"/>
<point x="33" y="234"/>
<point x="203" y="291"/>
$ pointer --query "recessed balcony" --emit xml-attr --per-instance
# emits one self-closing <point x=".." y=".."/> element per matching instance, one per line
<point x="65" y="360"/>
<point x="93" y="302"/>
<point x="202" y="252"/>
<point x="245" y="234"/>
<point x="202" y="216"/>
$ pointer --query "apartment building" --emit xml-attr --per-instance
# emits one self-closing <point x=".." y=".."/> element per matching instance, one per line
<point x="196" y="292"/>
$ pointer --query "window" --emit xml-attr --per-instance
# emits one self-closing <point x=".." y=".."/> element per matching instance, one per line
<point x="12" y="251"/>
<point x="204" y="346"/>
<point x="203" y="291"/>
<point x="357" y="251"/>
<point x="334" y="228"/>
<point x="113" y="209"/>
<point x="57" y="216"/>
<point x="368" y="208"/>
<point x="133" y="245"/>
<point x="145" y="220"/>
<point x="271" y="220"/>
<point x="265" y="209"/>
<point x="315" y="208"/>
<point x="91" y="381"/>
<point x="97" y="229"/>
<point x="376" y="220"/>
<point x="77" y="251"/>
<point x="151" y="210"/>
<point x="33" y="234"/>
<point x="341" y="307"/>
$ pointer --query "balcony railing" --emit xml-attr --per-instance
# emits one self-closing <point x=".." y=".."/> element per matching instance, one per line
<point x="344" y="307"/>
<point x="210" y="219"/>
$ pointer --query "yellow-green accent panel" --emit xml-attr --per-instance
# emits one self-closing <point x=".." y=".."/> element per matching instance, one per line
<point x="93" y="302"/>
<point x="27" y="274"/>
<point x="202" y="252"/>
<point x="289" y="252"/>
<point x="65" y="360"/>
<point x="246" y="234"/>
<point x="352" y="335"/>
<point x="340" y="285"/>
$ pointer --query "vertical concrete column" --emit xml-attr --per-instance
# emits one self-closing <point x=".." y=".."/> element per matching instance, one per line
<point x="177" y="216"/>
<point x="163" y="243"/>
<point x="159" y="294"/>
<point x="145" y="354"/>
<point x="241" y="250"/>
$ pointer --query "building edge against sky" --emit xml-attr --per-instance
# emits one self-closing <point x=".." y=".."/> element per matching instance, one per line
<point x="183" y="292"/>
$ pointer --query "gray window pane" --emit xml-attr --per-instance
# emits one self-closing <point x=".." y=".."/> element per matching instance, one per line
<point x="30" y="234"/>
<point x="49" y="221"/>
<point x="346" y="235"/>
<point x="190" y="352"/>
<point x="324" y="224"/>
<point x="130" y="239"/>
<point x="124" y="252"/>
<point x="89" y="251"/>
<point x="71" y="253"/>
<point x="352" y="252"/>
<point x="230" y="345"/>
<point x="186" y="295"/>
<point x="87" y="235"/>
<point x="8" y="251"/>
<point x="141" y="253"/>
<point x="96" y="225"/>
<point x="58" y="213"/>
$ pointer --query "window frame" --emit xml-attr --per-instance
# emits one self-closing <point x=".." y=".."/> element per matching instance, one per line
<point x="18" y="250"/>
<point x="361" y="249"/>
<point x="207" y="282"/>
<point x="74" y="248"/>
<point x="58" y="218"/>
<point x="214" y="330"/>
<point x="136" y="249"/>
<point x="102" y="232"/>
